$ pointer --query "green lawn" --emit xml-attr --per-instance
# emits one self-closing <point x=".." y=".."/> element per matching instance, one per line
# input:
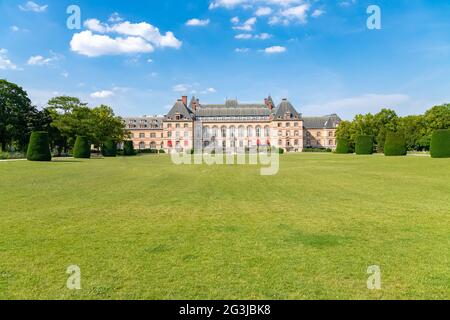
<point x="142" y="228"/>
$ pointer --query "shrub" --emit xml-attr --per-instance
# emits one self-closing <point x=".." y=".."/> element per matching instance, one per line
<point x="343" y="146"/>
<point x="395" y="144"/>
<point x="82" y="148"/>
<point x="364" y="145"/>
<point x="440" y="144"/>
<point x="280" y="150"/>
<point x="151" y="151"/>
<point x="39" y="147"/>
<point x="11" y="155"/>
<point x="317" y="150"/>
<point x="128" y="149"/>
<point x="109" y="148"/>
<point x="161" y="151"/>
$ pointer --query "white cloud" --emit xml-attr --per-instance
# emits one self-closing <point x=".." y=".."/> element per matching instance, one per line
<point x="247" y="36"/>
<point x="14" y="28"/>
<point x="297" y="13"/>
<point x="65" y="74"/>
<point x="5" y="62"/>
<point x="208" y="91"/>
<point x="247" y="25"/>
<point x="241" y="50"/>
<point x="226" y="3"/>
<point x="102" y="94"/>
<point x="114" y="18"/>
<point x="92" y="45"/>
<point x="275" y="49"/>
<point x="150" y="60"/>
<point x="39" y="61"/>
<point x="181" y="88"/>
<point x="33" y="6"/>
<point x="235" y="20"/>
<point x="197" y="22"/>
<point x="317" y="13"/>
<point x="263" y="11"/>
<point x="243" y="36"/>
<point x="95" y="25"/>
<point x="136" y="38"/>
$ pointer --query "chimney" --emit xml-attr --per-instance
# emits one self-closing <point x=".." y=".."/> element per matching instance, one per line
<point x="184" y="99"/>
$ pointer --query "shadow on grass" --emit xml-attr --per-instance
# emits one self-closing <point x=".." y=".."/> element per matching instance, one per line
<point x="312" y="240"/>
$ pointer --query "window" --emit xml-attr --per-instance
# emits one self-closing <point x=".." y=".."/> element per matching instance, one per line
<point x="186" y="134"/>
<point x="177" y="126"/>
<point x="224" y="132"/>
<point x="249" y="132"/>
<point x="186" y="125"/>
<point x="288" y="124"/>
<point x="296" y="133"/>
<point x="232" y="132"/>
<point x="279" y="125"/>
<point x="318" y="133"/>
<point x="296" y="124"/>
<point x="280" y="133"/>
<point x="295" y="142"/>
<point x="152" y="135"/>
<point x="330" y="143"/>
<point x="169" y="134"/>
<point x="241" y="132"/>
<point x="142" y="135"/>
<point x="169" y="125"/>
<point x="258" y="132"/>
<point x="267" y="131"/>
<point x="142" y="145"/>
<point x="153" y="145"/>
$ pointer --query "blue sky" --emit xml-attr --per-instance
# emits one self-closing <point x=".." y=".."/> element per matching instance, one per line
<point x="139" y="56"/>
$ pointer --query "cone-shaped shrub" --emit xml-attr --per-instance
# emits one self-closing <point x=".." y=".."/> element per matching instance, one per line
<point x="395" y="144"/>
<point x="39" y="147"/>
<point x="343" y="146"/>
<point x="128" y="149"/>
<point x="364" y="145"/>
<point x="440" y="144"/>
<point x="82" y="149"/>
<point x="109" y="148"/>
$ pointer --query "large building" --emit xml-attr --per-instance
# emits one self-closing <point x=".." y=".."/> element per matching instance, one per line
<point x="233" y="125"/>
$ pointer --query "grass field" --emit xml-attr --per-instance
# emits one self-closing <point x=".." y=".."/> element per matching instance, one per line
<point x="142" y="228"/>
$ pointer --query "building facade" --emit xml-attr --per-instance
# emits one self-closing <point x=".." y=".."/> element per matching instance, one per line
<point x="233" y="125"/>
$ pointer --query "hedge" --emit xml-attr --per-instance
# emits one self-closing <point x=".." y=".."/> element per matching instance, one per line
<point x="343" y="146"/>
<point x="395" y="144"/>
<point x="82" y="148"/>
<point x="128" y="149"/>
<point x="109" y="148"/>
<point x="39" y="147"/>
<point x="364" y="145"/>
<point x="440" y="144"/>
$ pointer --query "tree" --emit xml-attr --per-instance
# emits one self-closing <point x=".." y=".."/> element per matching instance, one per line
<point x="107" y="126"/>
<point x="344" y="133"/>
<point x="17" y="115"/>
<point x="72" y="118"/>
<point x="38" y="148"/>
<point x="384" y="121"/>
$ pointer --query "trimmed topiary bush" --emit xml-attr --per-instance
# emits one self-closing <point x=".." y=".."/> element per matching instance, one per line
<point x="39" y="147"/>
<point x="82" y="148"/>
<point x="109" y="148"/>
<point x="395" y="144"/>
<point x="128" y="149"/>
<point x="440" y="144"/>
<point x="364" y="145"/>
<point x="343" y="146"/>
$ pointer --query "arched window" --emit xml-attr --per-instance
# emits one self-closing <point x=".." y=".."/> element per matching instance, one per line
<point x="215" y="132"/>
<point x="142" y="145"/>
<point x="224" y="132"/>
<point x="267" y="131"/>
<point x="249" y="131"/>
<point x="241" y="131"/>
<point x="153" y="145"/>
<point x="258" y="132"/>
<point x="232" y="132"/>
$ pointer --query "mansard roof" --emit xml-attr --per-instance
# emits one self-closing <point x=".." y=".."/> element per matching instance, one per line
<point x="232" y="108"/>
<point x="286" y="109"/>
<point x="180" y="109"/>
<point x="325" y="122"/>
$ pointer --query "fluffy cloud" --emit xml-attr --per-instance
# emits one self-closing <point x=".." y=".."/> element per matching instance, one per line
<point x="132" y="38"/>
<point x="197" y="22"/>
<point x="92" y="45"/>
<point x="102" y="94"/>
<point x="5" y="63"/>
<point x="275" y="49"/>
<point x="263" y="11"/>
<point x="317" y="13"/>
<point x="181" y="88"/>
<point x="33" y="6"/>
<point x="247" y="25"/>
<point x="241" y="50"/>
<point x="297" y="13"/>
<point x="246" y="36"/>
<point x="39" y="61"/>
